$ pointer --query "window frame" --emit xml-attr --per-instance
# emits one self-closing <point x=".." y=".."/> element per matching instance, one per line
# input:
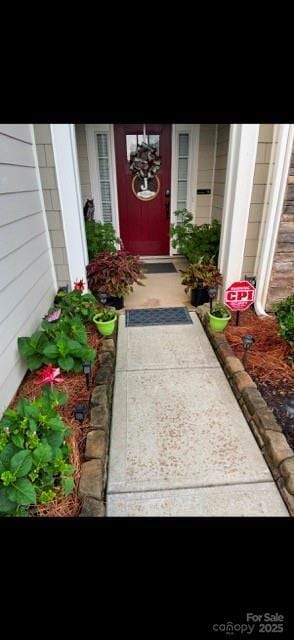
<point x="91" y="137"/>
<point x="193" y="130"/>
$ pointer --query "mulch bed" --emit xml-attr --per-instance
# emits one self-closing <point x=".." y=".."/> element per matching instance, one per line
<point x="75" y="387"/>
<point x="267" y="363"/>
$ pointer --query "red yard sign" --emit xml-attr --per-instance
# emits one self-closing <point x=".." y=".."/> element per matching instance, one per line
<point x="239" y="296"/>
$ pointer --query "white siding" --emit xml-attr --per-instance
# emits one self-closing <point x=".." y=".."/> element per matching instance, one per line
<point x="206" y="159"/>
<point x="27" y="281"/>
<point x="46" y="162"/>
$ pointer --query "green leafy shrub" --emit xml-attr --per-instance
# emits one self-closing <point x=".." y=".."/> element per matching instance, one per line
<point x="106" y="316"/>
<point x="220" y="311"/>
<point x="34" y="457"/>
<point x="63" y="343"/>
<point x="77" y="303"/>
<point x="284" y="312"/>
<point x="193" y="241"/>
<point x="284" y="307"/>
<point x="101" y="237"/>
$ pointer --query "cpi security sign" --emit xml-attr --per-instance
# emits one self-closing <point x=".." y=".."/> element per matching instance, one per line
<point x="239" y="296"/>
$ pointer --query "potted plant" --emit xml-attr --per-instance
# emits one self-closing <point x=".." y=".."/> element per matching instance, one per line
<point x="219" y="317"/>
<point x="199" y="278"/>
<point x="195" y="241"/>
<point x="105" y="322"/>
<point x="114" y="274"/>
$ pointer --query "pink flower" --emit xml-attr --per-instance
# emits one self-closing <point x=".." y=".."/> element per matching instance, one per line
<point x="49" y="375"/>
<point x="79" y="285"/>
<point x="53" y="316"/>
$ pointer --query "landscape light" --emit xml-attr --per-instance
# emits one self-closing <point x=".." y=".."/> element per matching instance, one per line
<point x="103" y="298"/>
<point x="212" y="291"/>
<point x="80" y="412"/>
<point x="289" y="408"/>
<point x="247" y="344"/>
<point x="87" y="368"/>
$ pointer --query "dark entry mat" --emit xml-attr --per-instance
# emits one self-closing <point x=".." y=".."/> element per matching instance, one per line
<point x="159" y="267"/>
<point x="145" y="317"/>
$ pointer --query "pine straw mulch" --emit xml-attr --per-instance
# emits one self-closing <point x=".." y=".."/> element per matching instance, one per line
<point x="74" y="385"/>
<point x="267" y="363"/>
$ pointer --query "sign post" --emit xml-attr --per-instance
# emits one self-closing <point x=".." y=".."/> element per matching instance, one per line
<point x="239" y="296"/>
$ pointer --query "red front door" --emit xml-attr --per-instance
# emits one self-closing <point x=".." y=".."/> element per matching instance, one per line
<point x="144" y="217"/>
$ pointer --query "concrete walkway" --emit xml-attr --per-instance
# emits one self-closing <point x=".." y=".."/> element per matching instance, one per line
<point x="160" y="289"/>
<point x="180" y="445"/>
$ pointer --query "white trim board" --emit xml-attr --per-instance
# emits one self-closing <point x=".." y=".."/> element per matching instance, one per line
<point x="274" y="210"/>
<point x="238" y="188"/>
<point x="65" y="156"/>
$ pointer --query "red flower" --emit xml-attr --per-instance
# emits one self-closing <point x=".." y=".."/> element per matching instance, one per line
<point x="49" y="375"/>
<point x="79" y="285"/>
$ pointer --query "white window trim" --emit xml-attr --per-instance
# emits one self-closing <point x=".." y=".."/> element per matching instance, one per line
<point x="193" y="130"/>
<point x="91" y="132"/>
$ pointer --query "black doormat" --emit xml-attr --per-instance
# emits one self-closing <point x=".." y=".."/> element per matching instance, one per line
<point x="145" y="317"/>
<point x="159" y="267"/>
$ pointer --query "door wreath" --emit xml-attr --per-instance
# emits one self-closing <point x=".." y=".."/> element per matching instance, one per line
<point x="144" y="164"/>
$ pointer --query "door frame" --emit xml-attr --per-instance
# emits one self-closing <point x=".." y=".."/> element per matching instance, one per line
<point x="192" y="129"/>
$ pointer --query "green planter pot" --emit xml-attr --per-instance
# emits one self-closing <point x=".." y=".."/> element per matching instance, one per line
<point x="218" y="324"/>
<point x="105" y="328"/>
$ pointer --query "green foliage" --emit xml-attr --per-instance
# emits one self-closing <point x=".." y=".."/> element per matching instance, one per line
<point x="284" y="312"/>
<point x="71" y="327"/>
<point x="220" y="311"/>
<point x="34" y="458"/>
<point x="195" y="242"/>
<point x="76" y="303"/>
<point x="63" y="343"/>
<point x="101" y="238"/>
<point x="105" y="316"/>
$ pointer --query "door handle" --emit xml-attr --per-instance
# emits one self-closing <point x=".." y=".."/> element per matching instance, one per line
<point x="167" y="202"/>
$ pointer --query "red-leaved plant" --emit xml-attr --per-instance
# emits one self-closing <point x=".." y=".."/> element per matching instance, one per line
<point x="49" y="375"/>
<point x="114" y="273"/>
<point x="201" y="274"/>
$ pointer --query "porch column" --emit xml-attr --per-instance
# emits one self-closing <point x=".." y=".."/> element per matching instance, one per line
<point x="273" y="214"/>
<point x="67" y="173"/>
<point x="239" y="180"/>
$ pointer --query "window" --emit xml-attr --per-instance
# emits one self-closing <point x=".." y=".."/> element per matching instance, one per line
<point x="104" y="176"/>
<point x="134" y="140"/>
<point x="183" y="160"/>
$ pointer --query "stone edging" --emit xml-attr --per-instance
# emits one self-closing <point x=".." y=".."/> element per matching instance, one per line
<point x="93" y="478"/>
<point x="268" y="433"/>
